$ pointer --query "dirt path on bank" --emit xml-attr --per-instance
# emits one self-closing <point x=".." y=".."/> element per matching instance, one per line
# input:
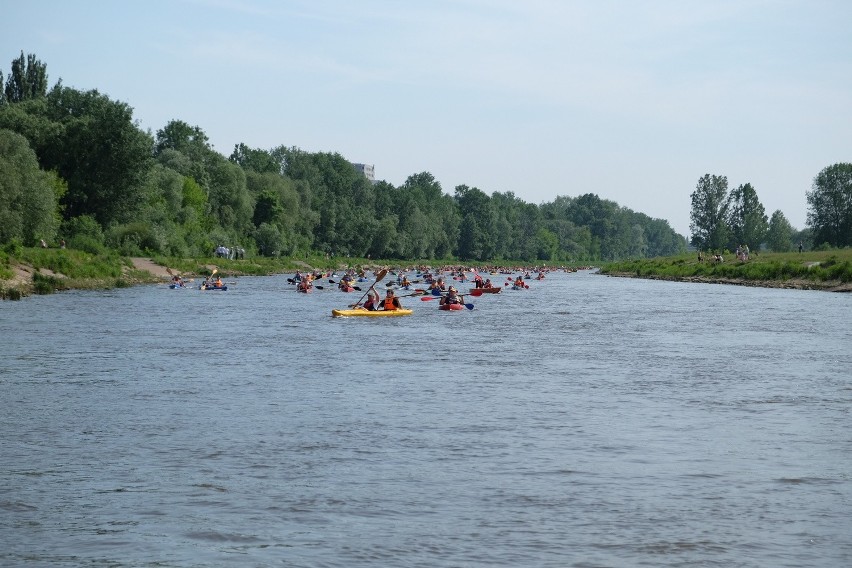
<point x="149" y="265"/>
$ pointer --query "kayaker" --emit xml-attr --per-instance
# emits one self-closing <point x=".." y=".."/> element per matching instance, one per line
<point x="177" y="281"/>
<point x="404" y="282"/>
<point x="218" y="283"/>
<point x="488" y="283"/>
<point x="391" y="302"/>
<point x="452" y="297"/>
<point x="373" y="300"/>
<point x="519" y="282"/>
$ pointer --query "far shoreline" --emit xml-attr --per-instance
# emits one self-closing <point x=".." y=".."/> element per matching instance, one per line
<point x="789" y="284"/>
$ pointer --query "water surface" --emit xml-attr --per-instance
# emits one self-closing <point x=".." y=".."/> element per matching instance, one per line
<point x="587" y="421"/>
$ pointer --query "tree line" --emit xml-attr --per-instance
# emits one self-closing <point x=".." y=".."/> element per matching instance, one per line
<point x="724" y="220"/>
<point x="75" y="166"/>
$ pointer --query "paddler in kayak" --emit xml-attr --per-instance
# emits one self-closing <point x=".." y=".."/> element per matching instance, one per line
<point x="373" y="300"/>
<point x="176" y="280"/>
<point x="452" y="297"/>
<point x="305" y="285"/>
<point x="391" y="302"/>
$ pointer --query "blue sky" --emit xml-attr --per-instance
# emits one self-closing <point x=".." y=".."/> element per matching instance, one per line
<point x="632" y="101"/>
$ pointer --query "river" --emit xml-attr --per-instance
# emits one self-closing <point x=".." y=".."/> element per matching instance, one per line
<point x="587" y="421"/>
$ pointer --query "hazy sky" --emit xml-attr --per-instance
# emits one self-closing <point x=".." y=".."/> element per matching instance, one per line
<point x="631" y="100"/>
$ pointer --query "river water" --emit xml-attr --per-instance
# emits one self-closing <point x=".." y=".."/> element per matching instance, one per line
<point x="587" y="421"/>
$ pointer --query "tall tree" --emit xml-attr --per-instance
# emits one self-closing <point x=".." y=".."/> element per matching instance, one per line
<point x="478" y="237"/>
<point x="259" y="161"/>
<point x="709" y="213"/>
<point x="100" y="151"/>
<point x="27" y="197"/>
<point x="747" y="221"/>
<point x="28" y="79"/>
<point x="830" y="206"/>
<point x="192" y="142"/>
<point x="779" y="237"/>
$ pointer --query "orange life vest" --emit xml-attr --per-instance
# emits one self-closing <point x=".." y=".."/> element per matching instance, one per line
<point x="389" y="303"/>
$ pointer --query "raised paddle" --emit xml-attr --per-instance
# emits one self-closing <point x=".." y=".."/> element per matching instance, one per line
<point x="382" y="273"/>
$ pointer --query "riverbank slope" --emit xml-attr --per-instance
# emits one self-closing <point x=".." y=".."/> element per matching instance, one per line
<point x="829" y="271"/>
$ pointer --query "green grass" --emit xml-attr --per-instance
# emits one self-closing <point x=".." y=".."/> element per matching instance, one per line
<point x="814" y="266"/>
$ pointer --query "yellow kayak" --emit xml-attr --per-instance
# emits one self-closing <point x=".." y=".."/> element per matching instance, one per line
<point x="370" y="313"/>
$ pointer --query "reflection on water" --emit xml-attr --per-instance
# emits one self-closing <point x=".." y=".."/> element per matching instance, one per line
<point x="587" y="421"/>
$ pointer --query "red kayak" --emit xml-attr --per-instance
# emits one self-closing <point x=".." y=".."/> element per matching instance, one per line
<point x="491" y="290"/>
<point x="451" y="307"/>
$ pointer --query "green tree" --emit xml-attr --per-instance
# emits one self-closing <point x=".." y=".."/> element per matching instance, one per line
<point x="269" y="240"/>
<point x="830" y="206"/>
<point x="256" y="160"/>
<point x="27" y="196"/>
<point x="230" y="202"/>
<point x="709" y="213"/>
<point x="747" y="221"/>
<point x="268" y="209"/>
<point x="478" y="237"/>
<point x="100" y="151"/>
<point x="28" y="79"/>
<point x="779" y="237"/>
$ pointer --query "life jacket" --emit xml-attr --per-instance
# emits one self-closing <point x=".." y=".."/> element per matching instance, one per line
<point x="389" y="303"/>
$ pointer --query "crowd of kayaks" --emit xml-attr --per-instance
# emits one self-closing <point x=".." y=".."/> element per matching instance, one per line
<point x="439" y="285"/>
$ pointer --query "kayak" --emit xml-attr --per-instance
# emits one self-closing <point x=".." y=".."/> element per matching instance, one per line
<point x="346" y="288"/>
<point x="486" y="290"/>
<point x="203" y="287"/>
<point x="451" y="307"/>
<point x="176" y="286"/>
<point x="304" y="290"/>
<point x="357" y="312"/>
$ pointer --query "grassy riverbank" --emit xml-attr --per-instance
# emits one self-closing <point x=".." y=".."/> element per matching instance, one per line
<point x="25" y="271"/>
<point x="815" y="270"/>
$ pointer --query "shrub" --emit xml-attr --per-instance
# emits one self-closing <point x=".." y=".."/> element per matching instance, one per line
<point x="87" y="244"/>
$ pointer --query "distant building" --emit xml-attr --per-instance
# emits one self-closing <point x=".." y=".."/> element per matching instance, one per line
<point x="368" y="170"/>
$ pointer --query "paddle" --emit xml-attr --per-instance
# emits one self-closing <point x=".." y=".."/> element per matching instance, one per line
<point x="208" y="283"/>
<point x="179" y="281"/>
<point x="382" y="273"/>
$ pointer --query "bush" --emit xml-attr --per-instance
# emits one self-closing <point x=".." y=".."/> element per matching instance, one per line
<point x="83" y="226"/>
<point x="45" y="284"/>
<point x="136" y="239"/>
<point x="87" y="244"/>
<point x="14" y="247"/>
